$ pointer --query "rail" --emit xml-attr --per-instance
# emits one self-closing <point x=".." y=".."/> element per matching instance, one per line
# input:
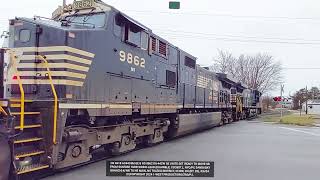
<point x="54" y="138"/>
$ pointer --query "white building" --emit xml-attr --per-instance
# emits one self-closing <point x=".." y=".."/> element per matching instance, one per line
<point x="313" y="106"/>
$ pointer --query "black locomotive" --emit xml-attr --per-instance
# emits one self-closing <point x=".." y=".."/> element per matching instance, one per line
<point x="92" y="78"/>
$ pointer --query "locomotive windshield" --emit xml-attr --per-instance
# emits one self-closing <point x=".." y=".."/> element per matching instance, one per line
<point x="96" y="20"/>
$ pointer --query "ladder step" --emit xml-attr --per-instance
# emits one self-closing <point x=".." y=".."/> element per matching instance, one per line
<point x="29" y="126"/>
<point x="26" y="113"/>
<point x="19" y="100"/>
<point x="4" y="103"/>
<point x="15" y="105"/>
<point x="31" y="168"/>
<point x="27" y="140"/>
<point x="28" y="154"/>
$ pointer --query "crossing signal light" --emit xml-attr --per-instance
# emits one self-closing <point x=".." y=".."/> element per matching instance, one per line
<point x="278" y="98"/>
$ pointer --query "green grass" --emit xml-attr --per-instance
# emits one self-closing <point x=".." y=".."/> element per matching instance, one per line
<point x="304" y="120"/>
<point x="271" y="119"/>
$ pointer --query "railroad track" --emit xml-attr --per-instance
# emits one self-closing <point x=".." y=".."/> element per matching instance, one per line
<point x="103" y="156"/>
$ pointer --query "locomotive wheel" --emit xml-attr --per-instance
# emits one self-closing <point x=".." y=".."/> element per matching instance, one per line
<point x="76" y="151"/>
<point x="127" y="140"/>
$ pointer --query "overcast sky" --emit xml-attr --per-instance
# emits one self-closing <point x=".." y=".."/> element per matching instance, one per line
<point x="289" y="30"/>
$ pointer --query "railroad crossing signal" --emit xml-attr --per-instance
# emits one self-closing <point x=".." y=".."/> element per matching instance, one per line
<point x="174" y="5"/>
<point x="277" y="98"/>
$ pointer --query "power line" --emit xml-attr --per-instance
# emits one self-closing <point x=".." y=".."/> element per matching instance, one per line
<point x="238" y="40"/>
<point x="239" y="36"/>
<point x="302" y="68"/>
<point x="254" y="39"/>
<point x="228" y="15"/>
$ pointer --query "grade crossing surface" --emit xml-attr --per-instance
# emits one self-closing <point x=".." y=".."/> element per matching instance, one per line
<point x="242" y="150"/>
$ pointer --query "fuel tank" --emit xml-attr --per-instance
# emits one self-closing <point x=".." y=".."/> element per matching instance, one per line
<point x="189" y="123"/>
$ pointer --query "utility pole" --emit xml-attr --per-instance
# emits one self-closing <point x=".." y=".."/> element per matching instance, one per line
<point x="300" y="107"/>
<point x="306" y="99"/>
<point x="281" y="91"/>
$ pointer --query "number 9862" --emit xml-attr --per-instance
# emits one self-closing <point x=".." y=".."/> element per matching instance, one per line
<point x="130" y="59"/>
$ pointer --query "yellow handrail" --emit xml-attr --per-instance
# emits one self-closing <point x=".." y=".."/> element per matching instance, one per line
<point x="14" y="61"/>
<point x="55" y="99"/>
<point x="21" y="102"/>
<point x="3" y="111"/>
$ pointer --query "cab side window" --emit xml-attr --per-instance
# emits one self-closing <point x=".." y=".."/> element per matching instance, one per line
<point x="130" y="33"/>
<point x="117" y="27"/>
<point x="144" y="40"/>
<point x="24" y="35"/>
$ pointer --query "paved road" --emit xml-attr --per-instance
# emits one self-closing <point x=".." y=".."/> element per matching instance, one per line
<point x="241" y="151"/>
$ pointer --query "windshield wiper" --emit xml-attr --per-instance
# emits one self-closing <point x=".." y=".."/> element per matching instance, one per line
<point x="88" y="16"/>
<point x="66" y="21"/>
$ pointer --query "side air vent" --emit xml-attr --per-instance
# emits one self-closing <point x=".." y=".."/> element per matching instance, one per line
<point x="189" y="62"/>
<point x="171" y="78"/>
<point x="162" y="48"/>
<point x="153" y="44"/>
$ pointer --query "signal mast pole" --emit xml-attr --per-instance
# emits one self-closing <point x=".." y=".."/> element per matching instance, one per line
<point x="281" y="91"/>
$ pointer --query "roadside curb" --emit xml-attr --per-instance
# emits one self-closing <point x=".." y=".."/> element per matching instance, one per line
<point x="316" y="125"/>
<point x="271" y="122"/>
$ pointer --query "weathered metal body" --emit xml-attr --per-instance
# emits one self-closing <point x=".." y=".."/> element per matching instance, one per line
<point x="93" y="78"/>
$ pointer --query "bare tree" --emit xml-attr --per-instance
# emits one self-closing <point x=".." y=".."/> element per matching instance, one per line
<point x="224" y="61"/>
<point x="302" y="96"/>
<point x="260" y="71"/>
<point x="267" y="102"/>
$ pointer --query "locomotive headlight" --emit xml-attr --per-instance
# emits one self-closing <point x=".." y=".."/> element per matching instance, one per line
<point x="167" y="122"/>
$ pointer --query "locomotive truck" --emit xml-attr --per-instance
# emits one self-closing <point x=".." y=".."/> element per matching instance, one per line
<point x="93" y="79"/>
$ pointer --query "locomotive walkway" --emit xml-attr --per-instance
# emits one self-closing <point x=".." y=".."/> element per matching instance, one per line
<point x="242" y="150"/>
